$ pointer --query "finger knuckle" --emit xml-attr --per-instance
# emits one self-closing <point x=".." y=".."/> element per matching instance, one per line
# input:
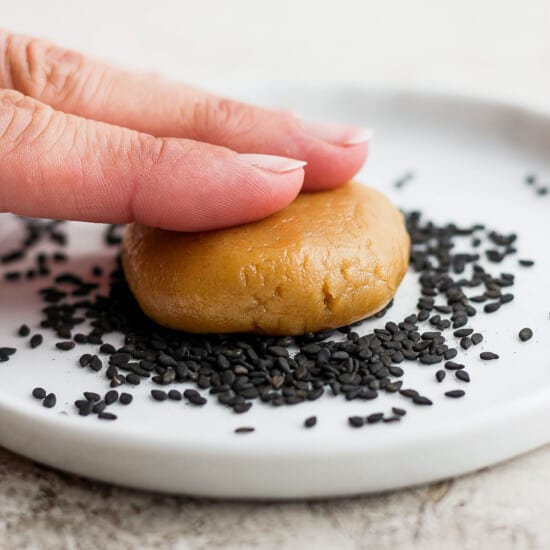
<point x="38" y="68"/>
<point x="225" y="118"/>
<point x="22" y="120"/>
<point x="146" y="152"/>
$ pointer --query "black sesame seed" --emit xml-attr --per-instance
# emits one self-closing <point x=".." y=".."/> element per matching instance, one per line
<point x="423" y="315"/>
<point x="242" y="407"/>
<point x="12" y="256"/>
<point x="244" y="430"/>
<point x="50" y="401"/>
<point x="159" y="395"/>
<point x="95" y="363"/>
<point x="85" y="359"/>
<point x="99" y="407"/>
<point x="462" y="375"/>
<point x="12" y="276"/>
<point x="107" y="416"/>
<point x="64" y="332"/>
<point x="494" y="256"/>
<point x="310" y="421"/>
<point x="525" y="334"/>
<point x="506" y="298"/>
<point x="450" y="354"/>
<point x="125" y="398"/>
<point x="374" y="418"/>
<point x="395" y="371"/>
<point x="94" y="339"/>
<point x="167" y="360"/>
<point x="65" y="346"/>
<point x="111" y="397"/>
<point x="119" y="359"/>
<point x="356" y="421"/>
<point x="476" y="338"/>
<point x="80" y="338"/>
<point x="461" y="332"/>
<point x="133" y="379"/>
<point x="175" y="395"/>
<point x="488" y="355"/>
<point x="451" y="365"/>
<point x="466" y="343"/>
<point x="107" y="348"/>
<point x="59" y="257"/>
<point x="194" y="397"/>
<point x="92" y="396"/>
<point x="23" y="331"/>
<point x="455" y="393"/>
<point x="492" y="307"/>
<point x="84" y="407"/>
<point x="440" y="375"/>
<point x="398" y="411"/>
<point x="39" y="393"/>
<point x="421" y="400"/>
<point x="430" y="359"/>
<point x="117" y="380"/>
<point x="526" y="263"/>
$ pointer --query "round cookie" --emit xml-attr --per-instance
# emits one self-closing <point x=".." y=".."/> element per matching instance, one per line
<point x="330" y="258"/>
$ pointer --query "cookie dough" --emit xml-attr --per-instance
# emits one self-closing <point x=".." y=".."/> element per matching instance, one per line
<point x="330" y="258"/>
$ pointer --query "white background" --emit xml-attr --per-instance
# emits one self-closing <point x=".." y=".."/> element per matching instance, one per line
<point x="494" y="47"/>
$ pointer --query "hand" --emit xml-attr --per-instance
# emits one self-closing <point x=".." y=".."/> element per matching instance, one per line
<point x="85" y="141"/>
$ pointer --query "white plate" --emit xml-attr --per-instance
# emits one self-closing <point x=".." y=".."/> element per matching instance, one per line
<point x="470" y="158"/>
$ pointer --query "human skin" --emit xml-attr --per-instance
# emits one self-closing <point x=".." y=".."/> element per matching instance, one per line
<point x="83" y="140"/>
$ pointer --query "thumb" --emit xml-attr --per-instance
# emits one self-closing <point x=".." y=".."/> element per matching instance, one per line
<point x="56" y="165"/>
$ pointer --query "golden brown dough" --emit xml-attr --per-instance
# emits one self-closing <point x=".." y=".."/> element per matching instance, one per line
<point x="328" y="259"/>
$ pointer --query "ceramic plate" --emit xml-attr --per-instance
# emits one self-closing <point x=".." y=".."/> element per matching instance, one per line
<point x="469" y="159"/>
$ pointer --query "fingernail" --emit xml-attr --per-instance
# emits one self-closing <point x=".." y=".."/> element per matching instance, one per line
<point x="272" y="163"/>
<point x="337" y="134"/>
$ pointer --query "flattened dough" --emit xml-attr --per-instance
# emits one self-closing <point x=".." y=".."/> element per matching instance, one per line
<point x="328" y="259"/>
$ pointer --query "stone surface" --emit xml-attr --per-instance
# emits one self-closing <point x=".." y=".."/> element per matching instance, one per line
<point x="506" y="506"/>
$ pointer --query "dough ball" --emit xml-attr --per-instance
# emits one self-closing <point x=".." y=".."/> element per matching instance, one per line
<point x="328" y="259"/>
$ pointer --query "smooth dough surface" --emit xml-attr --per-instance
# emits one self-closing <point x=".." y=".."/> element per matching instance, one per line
<point x="328" y="259"/>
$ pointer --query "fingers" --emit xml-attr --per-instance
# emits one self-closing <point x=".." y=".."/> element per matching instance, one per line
<point x="60" y="166"/>
<point x="74" y="84"/>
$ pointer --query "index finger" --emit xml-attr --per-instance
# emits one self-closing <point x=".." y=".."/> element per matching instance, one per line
<point x="73" y="83"/>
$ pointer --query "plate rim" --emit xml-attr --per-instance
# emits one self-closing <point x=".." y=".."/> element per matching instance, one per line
<point x="498" y="415"/>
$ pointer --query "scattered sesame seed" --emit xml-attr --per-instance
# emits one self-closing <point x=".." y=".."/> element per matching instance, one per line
<point x="39" y="393"/>
<point x="356" y="421"/>
<point x="310" y="421"/>
<point x="244" y="430"/>
<point x="488" y="355"/>
<point x="50" y="401"/>
<point x="525" y="334"/>
<point x="455" y="393"/>
<point x="65" y="346"/>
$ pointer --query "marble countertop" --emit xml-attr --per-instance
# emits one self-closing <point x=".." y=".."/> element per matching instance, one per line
<point x="506" y="506"/>
<point x="490" y="47"/>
